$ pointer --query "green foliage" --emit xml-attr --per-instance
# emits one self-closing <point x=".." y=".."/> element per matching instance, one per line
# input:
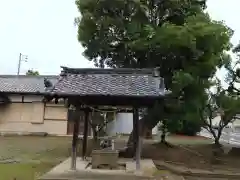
<point x="177" y="36"/>
<point x="220" y="103"/>
<point x="32" y="73"/>
<point x="233" y="75"/>
<point x="185" y="127"/>
<point x="228" y="106"/>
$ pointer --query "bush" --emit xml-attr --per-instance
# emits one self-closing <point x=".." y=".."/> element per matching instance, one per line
<point x="184" y="127"/>
<point x="190" y="128"/>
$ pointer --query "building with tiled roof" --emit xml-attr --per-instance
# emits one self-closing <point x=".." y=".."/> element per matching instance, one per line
<point x="22" y="109"/>
<point x="142" y="84"/>
<point x="115" y="82"/>
<point x="25" y="110"/>
<point x="24" y="84"/>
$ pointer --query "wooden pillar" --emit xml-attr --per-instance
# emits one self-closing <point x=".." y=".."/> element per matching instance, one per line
<point x="136" y="139"/>
<point x="85" y="133"/>
<point x="74" y="143"/>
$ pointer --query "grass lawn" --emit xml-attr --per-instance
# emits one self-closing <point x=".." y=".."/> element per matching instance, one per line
<point x="25" y="158"/>
<point x="28" y="157"/>
<point x="23" y="171"/>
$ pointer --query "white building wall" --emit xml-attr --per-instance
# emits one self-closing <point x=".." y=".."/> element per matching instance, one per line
<point x="123" y="124"/>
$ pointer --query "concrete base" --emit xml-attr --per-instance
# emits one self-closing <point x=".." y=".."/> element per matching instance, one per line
<point x="84" y="171"/>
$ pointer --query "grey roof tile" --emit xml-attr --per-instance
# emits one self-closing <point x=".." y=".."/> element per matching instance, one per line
<point x="115" y="82"/>
<point x="24" y="84"/>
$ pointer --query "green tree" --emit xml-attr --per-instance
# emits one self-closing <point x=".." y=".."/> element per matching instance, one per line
<point x="223" y="104"/>
<point x="178" y="36"/>
<point x="32" y="73"/>
<point x="233" y="73"/>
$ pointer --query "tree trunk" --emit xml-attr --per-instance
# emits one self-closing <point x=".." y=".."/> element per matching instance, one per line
<point x="147" y="133"/>
<point x="144" y="128"/>
<point x="95" y="136"/>
<point x="96" y="143"/>
<point x="216" y="136"/>
<point x="163" y="135"/>
<point x="217" y="151"/>
<point x="216" y="141"/>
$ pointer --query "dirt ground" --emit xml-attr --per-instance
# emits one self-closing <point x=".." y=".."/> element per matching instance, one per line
<point x="198" y="155"/>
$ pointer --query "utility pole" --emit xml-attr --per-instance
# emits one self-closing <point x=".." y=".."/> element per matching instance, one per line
<point x="21" y="56"/>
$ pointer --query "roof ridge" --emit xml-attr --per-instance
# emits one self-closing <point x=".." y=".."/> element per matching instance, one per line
<point x="28" y="76"/>
<point x="67" y="70"/>
<point x="24" y="84"/>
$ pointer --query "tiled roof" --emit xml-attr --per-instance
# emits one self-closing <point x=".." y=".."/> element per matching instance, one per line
<point x="114" y="82"/>
<point x="24" y="84"/>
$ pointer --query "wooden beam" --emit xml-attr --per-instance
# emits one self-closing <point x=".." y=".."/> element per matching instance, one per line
<point x="113" y="101"/>
<point x="85" y="133"/>
<point x="134" y="130"/>
<point x="74" y="144"/>
<point x="136" y="139"/>
<point x="109" y="110"/>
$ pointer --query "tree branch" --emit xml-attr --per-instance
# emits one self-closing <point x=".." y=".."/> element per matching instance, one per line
<point x="208" y="126"/>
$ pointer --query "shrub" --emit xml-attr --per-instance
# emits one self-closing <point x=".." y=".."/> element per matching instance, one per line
<point x="184" y="127"/>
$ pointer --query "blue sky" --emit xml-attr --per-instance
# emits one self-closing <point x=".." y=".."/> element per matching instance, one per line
<point x="44" y="30"/>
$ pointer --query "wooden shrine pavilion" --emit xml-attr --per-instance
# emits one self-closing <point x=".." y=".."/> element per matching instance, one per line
<point x="130" y="88"/>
